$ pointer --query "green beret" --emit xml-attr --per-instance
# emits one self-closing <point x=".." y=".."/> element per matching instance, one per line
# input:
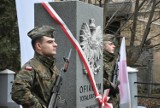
<point x="108" y="37"/>
<point x="41" y="31"/>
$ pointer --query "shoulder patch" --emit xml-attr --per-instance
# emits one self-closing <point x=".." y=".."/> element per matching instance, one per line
<point x="28" y="68"/>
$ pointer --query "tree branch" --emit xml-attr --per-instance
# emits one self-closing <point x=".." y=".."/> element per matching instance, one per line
<point x="133" y="31"/>
<point x="157" y="3"/>
<point x="148" y="25"/>
<point x="153" y="37"/>
<point x="155" y="19"/>
<point x="152" y="46"/>
<point x="141" y="4"/>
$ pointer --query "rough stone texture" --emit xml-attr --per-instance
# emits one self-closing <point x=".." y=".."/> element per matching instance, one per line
<point x="76" y="88"/>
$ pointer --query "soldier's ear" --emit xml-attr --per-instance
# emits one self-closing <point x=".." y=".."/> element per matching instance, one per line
<point x="38" y="46"/>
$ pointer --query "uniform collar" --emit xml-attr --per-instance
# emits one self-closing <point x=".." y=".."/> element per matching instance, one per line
<point x="47" y="61"/>
<point x="108" y="57"/>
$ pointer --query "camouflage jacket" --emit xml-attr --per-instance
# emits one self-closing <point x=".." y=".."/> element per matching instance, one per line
<point x="33" y="84"/>
<point x="108" y="68"/>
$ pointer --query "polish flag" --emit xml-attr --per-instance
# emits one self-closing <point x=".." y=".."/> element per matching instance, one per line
<point x="125" y="100"/>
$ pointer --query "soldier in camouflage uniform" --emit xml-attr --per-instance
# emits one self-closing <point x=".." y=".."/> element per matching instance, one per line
<point x="109" y="62"/>
<point x="33" y="84"/>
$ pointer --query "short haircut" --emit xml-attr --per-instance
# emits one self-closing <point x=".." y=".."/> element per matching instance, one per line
<point x="35" y="40"/>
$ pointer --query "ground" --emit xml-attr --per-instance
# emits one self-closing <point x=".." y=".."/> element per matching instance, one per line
<point x="149" y="102"/>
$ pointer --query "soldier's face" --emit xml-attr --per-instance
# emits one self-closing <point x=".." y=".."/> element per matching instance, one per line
<point x="109" y="46"/>
<point x="48" y="46"/>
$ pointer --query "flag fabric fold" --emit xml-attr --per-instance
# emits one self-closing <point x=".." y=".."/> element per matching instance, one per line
<point x="125" y="100"/>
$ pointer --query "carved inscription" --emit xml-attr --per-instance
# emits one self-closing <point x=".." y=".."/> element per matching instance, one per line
<point x="86" y="92"/>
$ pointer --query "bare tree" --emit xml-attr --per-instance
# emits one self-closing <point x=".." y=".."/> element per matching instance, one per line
<point x="146" y="13"/>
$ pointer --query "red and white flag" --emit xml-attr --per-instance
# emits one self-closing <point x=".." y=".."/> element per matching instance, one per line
<point x="125" y="100"/>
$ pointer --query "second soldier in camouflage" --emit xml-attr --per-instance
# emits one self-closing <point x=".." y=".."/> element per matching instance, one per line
<point x="109" y="61"/>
